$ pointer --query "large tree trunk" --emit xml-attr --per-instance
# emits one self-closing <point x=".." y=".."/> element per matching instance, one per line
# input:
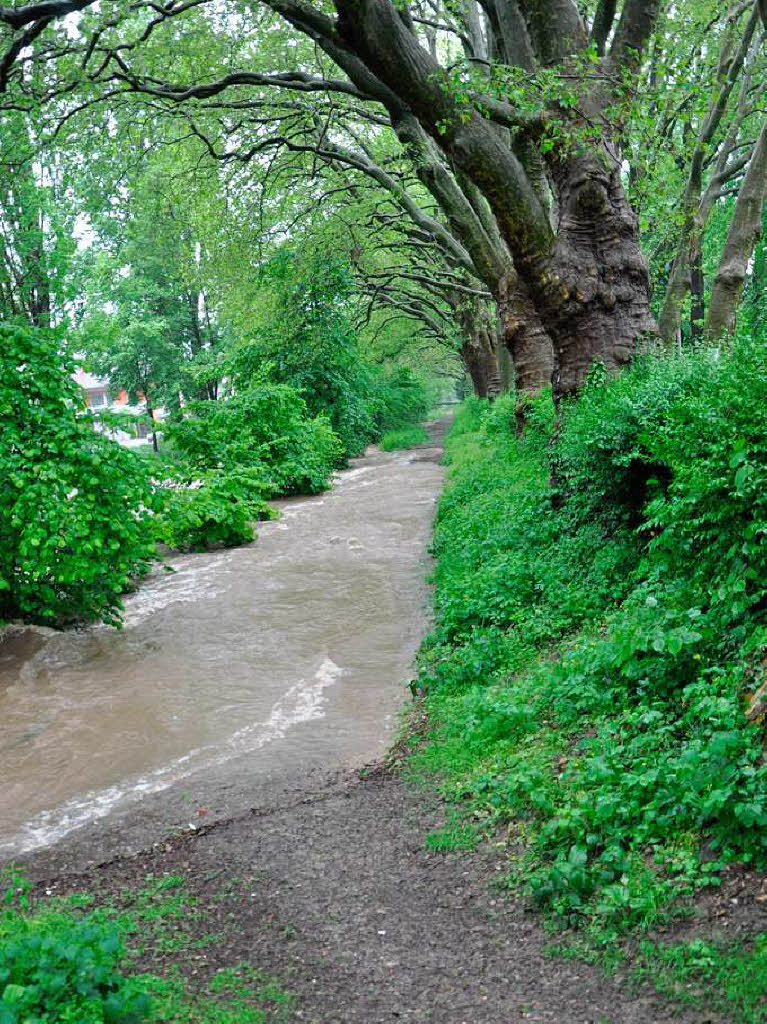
<point x="479" y="351"/>
<point x="505" y="365"/>
<point x="482" y="366"/>
<point x="525" y="338"/>
<point x="745" y="228"/>
<point x="596" y="302"/>
<point x="588" y="282"/>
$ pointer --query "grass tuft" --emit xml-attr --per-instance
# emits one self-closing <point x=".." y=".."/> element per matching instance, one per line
<point x="403" y="437"/>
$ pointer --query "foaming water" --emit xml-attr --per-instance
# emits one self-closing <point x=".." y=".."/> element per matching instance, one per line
<point x="307" y="633"/>
<point x="302" y="703"/>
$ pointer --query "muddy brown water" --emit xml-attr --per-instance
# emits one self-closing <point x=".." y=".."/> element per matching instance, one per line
<point x="299" y="645"/>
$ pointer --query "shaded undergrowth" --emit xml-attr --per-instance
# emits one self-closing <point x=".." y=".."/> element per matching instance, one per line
<point x="594" y="679"/>
<point x="403" y="437"/>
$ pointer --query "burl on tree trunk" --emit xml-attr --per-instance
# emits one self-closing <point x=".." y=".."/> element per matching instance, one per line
<point x="595" y="298"/>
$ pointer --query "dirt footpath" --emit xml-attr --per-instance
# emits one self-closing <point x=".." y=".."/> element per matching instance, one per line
<point x="334" y="893"/>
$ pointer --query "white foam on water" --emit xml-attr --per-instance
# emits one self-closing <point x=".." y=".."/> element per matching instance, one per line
<point x="297" y="506"/>
<point x="188" y="582"/>
<point x="303" y="702"/>
<point x="352" y="474"/>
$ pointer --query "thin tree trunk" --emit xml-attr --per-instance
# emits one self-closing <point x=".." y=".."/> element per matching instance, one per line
<point x="150" y="414"/>
<point x="745" y="229"/>
<point x="696" y="207"/>
<point x="697" y="301"/>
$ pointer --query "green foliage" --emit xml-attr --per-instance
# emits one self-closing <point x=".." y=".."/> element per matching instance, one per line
<point x="309" y="343"/>
<point x="147" y="327"/>
<point x="235" y="453"/>
<point x="400" y="397"/>
<point x="405" y="437"/>
<point x="75" y="520"/>
<point x="266" y="428"/>
<point x="216" y="511"/>
<point x="454" y="835"/>
<point x="66" y="961"/>
<point x="56" y="969"/>
<point x="36" y="227"/>
<point x="593" y="645"/>
<point x="306" y="339"/>
<point x="730" y="978"/>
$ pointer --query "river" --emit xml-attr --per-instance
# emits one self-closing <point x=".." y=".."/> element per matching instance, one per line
<point x="298" y="646"/>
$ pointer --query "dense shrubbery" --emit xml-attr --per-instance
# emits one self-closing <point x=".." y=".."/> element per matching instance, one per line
<point x="81" y="515"/>
<point x="232" y="455"/>
<point x="399" y="398"/>
<point x="75" y="514"/>
<point x="215" y="511"/>
<point x="308" y="341"/>
<point x="56" y="969"/>
<point x="304" y="401"/>
<point x="266" y="428"/>
<point x="593" y="648"/>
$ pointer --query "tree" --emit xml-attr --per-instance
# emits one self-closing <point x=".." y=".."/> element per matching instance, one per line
<point x="515" y="116"/>
<point x="36" y="222"/>
<point x="745" y="229"/>
<point x="587" y="281"/>
<point x="75" y="526"/>
<point x="714" y="158"/>
<point x="146" y="322"/>
<point x="585" y="284"/>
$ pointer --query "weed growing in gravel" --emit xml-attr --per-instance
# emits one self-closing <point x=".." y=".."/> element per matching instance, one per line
<point x="708" y="975"/>
<point x="455" y="835"/>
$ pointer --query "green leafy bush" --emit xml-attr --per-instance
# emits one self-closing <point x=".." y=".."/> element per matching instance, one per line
<point x="216" y="511"/>
<point x="309" y="342"/>
<point x="266" y="429"/>
<point x="68" y="960"/>
<point x="588" y="670"/>
<point x="56" y="969"/>
<point x="399" y="398"/>
<point x="75" y="519"/>
<point x="234" y="454"/>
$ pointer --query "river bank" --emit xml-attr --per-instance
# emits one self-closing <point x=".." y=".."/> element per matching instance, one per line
<point x="334" y="895"/>
<point x="239" y="668"/>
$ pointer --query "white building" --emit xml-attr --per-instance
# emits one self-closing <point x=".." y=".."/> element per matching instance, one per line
<point x="96" y="394"/>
